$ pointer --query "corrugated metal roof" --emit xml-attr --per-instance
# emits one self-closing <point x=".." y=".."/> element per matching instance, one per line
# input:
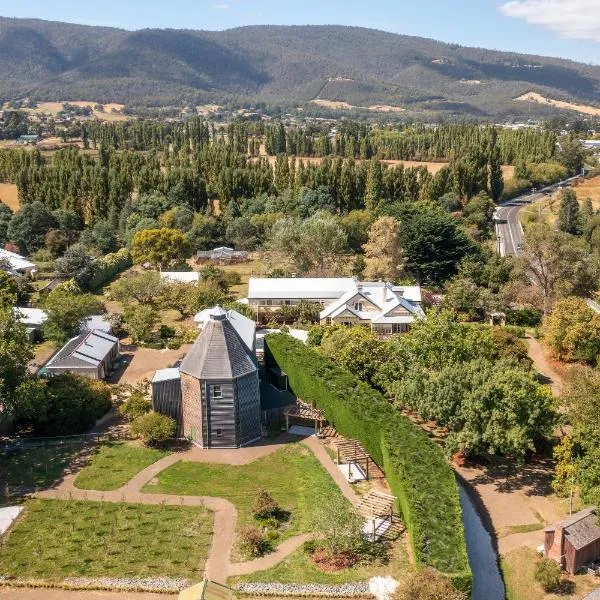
<point x="166" y="375"/>
<point x="181" y="277"/>
<point x="30" y="316"/>
<point x="219" y="353"/>
<point x="87" y="349"/>
<point x="245" y="327"/>
<point x="298" y="288"/>
<point x="16" y="261"/>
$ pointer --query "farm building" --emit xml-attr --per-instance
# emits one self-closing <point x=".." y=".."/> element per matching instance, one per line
<point x="180" y="276"/>
<point x="90" y="354"/>
<point x="222" y="255"/>
<point x="33" y="319"/>
<point x="575" y="541"/>
<point x="383" y="307"/>
<point x="215" y="393"/>
<point x="16" y="264"/>
<point x="245" y="327"/>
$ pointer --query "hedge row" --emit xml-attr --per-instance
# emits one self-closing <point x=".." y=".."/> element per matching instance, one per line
<point x="416" y="469"/>
<point x="105" y="268"/>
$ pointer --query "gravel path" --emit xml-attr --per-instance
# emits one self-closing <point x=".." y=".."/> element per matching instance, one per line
<point x="218" y="564"/>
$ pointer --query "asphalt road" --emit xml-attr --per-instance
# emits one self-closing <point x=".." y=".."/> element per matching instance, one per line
<point x="508" y="228"/>
<point x="509" y="232"/>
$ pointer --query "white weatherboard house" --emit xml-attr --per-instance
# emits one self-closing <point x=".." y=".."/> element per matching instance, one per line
<point x="384" y="307"/>
<point x="17" y="264"/>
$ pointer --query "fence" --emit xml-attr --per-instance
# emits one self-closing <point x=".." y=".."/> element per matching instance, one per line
<point x="11" y="445"/>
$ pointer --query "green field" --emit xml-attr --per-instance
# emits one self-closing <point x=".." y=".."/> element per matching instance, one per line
<point x="113" y="465"/>
<point x="57" y="539"/>
<point x="293" y="476"/>
<point x="34" y="469"/>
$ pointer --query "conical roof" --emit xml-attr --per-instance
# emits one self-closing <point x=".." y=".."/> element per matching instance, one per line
<point x="219" y="352"/>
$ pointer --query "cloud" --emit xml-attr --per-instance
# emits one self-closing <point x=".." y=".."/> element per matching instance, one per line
<point x="221" y="6"/>
<point x="577" y="19"/>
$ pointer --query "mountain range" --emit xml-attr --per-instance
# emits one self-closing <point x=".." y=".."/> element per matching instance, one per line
<point x="277" y="65"/>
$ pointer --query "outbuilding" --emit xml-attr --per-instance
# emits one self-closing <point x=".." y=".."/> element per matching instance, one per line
<point x="575" y="541"/>
<point x="90" y="354"/>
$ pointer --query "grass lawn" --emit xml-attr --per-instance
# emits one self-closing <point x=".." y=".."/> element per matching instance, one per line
<point x="293" y="476"/>
<point x="57" y="539"/>
<point x="33" y="469"/>
<point x="113" y="465"/>
<point x="518" y="569"/>
<point x="298" y="568"/>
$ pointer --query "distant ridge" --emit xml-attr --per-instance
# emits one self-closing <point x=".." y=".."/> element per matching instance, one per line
<point x="288" y="66"/>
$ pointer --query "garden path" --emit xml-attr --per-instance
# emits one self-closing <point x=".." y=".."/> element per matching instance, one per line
<point x="218" y="565"/>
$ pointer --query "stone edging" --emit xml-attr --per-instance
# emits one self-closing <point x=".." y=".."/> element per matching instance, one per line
<point x="360" y="589"/>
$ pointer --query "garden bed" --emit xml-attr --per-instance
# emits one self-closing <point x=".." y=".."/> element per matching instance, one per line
<point x="57" y="539"/>
<point x="292" y="475"/>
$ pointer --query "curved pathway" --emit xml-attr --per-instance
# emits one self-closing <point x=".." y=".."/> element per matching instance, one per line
<point x="218" y="564"/>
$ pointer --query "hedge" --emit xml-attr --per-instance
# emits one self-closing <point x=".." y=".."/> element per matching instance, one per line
<point x="416" y="469"/>
<point x="105" y="268"/>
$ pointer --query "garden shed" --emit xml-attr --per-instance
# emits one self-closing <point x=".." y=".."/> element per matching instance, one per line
<point x="575" y="541"/>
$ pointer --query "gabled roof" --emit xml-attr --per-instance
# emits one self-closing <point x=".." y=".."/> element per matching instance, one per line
<point x="381" y="295"/>
<point x="583" y="531"/>
<point x="219" y="352"/>
<point x="87" y="349"/>
<point x="245" y="327"/>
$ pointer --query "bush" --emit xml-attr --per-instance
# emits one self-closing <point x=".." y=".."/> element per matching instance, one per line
<point x="547" y="573"/>
<point x="417" y="471"/>
<point x="137" y="405"/>
<point x="525" y="317"/>
<point x="105" y="268"/>
<point x="73" y="405"/>
<point x="519" y="332"/>
<point x="265" y="506"/>
<point x="253" y="541"/>
<point x="154" y="429"/>
<point x="427" y="585"/>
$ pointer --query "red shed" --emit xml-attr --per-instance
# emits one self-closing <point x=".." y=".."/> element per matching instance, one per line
<point x="575" y="541"/>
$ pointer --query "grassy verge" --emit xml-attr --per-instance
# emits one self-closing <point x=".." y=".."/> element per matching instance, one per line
<point x="57" y="539"/>
<point x="518" y="570"/>
<point x="34" y="469"/>
<point x="113" y="465"/>
<point x="298" y="568"/>
<point x="293" y="476"/>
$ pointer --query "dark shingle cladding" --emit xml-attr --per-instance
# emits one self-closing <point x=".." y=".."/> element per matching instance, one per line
<point x="219" y="352"/>
<point x="583" y="530"/>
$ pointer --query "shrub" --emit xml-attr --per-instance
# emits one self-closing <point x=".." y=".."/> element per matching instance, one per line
<point x="154" y="429"/>
<point x="253" y="541"/>
<point x="105" y="268"/>
<point x="547" y="574"/>
<point x="74" y="404"/>
<point x="417" y="471"/>
<point x="265" y="506"/>
<point x="525" y="317"/>
<point x="520" y="332"/>
<point x="427" y="584"/>
<point x="137" y="405"/>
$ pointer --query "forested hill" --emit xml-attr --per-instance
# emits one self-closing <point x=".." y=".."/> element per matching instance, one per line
<point x="288" y="66"/>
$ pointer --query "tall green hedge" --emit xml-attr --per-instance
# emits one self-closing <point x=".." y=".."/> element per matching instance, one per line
<point x="105" y="268"/>
<point x="416" y="470"/>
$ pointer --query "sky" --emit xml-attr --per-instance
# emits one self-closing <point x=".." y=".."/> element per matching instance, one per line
<point x="565" y="28"/>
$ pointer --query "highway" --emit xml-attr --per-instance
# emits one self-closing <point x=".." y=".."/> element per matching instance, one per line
<point x="509" y="232"/>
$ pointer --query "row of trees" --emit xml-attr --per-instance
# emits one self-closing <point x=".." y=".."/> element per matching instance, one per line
<point x="473" y="380"/>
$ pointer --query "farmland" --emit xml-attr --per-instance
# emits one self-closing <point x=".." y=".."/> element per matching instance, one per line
<point x="539" y="99"/>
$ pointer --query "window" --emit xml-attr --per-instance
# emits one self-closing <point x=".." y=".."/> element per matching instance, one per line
<point x="328" y="321"/>
<point x="399" y="327"/>
<point x="219" y="432"/>
<point x="217" y="392"/>
<point x="358" y="306"/>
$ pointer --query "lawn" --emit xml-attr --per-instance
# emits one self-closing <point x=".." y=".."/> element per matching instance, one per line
<point x="34" y="469"/>
<point x="518" y="568"/>
<point x="57" y="539"/>
<point x="293" y="476"/>
<point x="298" y="568"/>
<point x="113" y="465"/>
